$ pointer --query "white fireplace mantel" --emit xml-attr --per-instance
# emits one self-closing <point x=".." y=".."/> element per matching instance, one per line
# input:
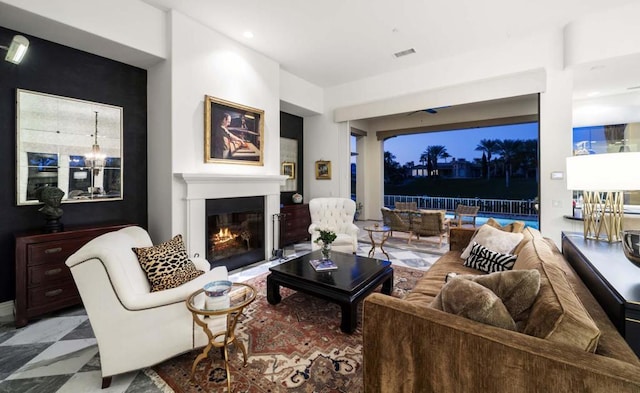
<point x="203" y="186"/>
<point x="211" y="186"/>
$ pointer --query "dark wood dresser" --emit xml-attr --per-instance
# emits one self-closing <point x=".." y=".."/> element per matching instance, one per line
<point x="294" y="224"/>
<point x="612" y="279"/>
<point x="43" y="281"/>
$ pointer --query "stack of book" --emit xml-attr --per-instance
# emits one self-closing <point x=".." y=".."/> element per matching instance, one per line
<point x="323" y="264"/>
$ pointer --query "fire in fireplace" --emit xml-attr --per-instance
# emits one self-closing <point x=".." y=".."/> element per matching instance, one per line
<point x="235" y="231"/>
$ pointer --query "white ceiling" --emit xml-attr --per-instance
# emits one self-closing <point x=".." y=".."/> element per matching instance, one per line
<point x="331" y="42"/>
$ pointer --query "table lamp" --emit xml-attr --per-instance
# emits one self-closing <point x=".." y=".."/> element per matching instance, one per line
<point x="603" y="178"/>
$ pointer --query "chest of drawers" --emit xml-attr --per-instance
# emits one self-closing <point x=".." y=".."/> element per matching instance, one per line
<point x="43" y="281"/>
<point x="295" y="221"/>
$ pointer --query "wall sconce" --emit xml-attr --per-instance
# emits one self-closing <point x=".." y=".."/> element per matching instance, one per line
<point x="17" y="49"/>
<point x="603" y="178"/>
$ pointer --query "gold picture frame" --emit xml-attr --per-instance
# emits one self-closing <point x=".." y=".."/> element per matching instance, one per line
<point x="234" y="133"/>
<point x="289" y="170"/>
<point x="323" y="170"/>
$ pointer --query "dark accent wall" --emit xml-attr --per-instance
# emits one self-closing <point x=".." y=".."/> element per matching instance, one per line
<point x="291" y="127"/>
<point x="60" y="70"/>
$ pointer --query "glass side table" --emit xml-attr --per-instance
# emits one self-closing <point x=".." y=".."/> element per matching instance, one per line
<point x="385" y="231"/>
<point x="240" y="296"/>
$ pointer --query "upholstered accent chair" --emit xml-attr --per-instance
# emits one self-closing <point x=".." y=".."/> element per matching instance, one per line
<point x="431" y="223"/>
<point x="335" y="214"/>
<point x="134" y="327"/>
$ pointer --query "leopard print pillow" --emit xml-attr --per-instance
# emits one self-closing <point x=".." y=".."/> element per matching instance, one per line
<point x="167" y="265"/>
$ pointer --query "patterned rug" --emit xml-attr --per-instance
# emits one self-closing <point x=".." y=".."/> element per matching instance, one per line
<point x="295" y="346"/>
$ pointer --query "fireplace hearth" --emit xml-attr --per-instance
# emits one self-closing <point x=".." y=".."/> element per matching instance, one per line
<point x="235" y="231"/>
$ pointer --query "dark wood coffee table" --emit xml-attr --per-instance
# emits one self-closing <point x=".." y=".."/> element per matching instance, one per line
<point x="355" y="278"/>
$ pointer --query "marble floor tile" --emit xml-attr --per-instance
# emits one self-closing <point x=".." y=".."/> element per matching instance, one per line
<point x="34" y="385"/>
<point x="62" y="357"/>
<point x="45" y="330"/>
<point x="16" y="356"/>
<point x="91" y="382"/>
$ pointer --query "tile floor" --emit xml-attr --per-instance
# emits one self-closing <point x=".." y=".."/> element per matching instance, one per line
<point x="59" y="353"/>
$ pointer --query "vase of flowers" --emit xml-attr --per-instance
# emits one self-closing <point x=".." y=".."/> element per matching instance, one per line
<point x="327" y="236"/>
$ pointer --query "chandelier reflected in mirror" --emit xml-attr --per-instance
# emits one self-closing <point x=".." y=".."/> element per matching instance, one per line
<point x="95" y="159"/>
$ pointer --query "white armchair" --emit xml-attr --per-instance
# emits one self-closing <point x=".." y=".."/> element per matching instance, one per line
<point x="336" y="214"/>
<point x="134" y="327"/>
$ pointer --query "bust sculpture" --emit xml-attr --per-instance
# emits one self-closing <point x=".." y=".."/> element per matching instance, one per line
<point x="51" y="197"/>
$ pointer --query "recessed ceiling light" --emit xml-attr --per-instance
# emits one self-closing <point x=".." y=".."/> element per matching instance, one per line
<point x="405" y="52"/>
<point x="248" y="34"/>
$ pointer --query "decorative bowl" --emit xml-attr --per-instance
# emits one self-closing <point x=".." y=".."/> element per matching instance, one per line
<point x="217" y="288"/>
<point x="631" y="245"/>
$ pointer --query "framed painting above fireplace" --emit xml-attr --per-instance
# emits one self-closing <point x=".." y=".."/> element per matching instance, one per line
<point x="234" y="133"/>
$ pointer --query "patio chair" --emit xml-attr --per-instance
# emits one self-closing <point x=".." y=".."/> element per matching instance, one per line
<point x="395" y="221"/>
<point x="465" y="214"/>
<point x="431" y="223"/>
<point x="406" y="206"/>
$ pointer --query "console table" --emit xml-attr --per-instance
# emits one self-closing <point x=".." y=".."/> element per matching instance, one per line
<point x="612" y="279"/>
<point x="43" y="281"/>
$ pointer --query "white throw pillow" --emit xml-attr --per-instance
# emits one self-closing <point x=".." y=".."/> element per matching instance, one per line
<point x="493" y="239"/>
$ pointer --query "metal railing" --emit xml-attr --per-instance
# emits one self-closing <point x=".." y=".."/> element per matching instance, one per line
<point x="503" y="207"/>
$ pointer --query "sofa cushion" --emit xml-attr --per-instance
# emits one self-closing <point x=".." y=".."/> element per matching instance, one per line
<point x="514" y="227"/>
<point x="428" y="287"/>
<point x="167" y="265"/>
<point x="471" y="300"/>
<point x="488" y="261"/>
<point x="493" y="239"/>
<point x="528" y="234"/>
<point x="557" y="313"/>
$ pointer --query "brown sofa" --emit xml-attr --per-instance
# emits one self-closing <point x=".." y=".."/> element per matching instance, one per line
<point x="412" y="347"/>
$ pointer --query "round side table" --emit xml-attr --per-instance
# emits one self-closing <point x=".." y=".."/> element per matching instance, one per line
<point x="240" y="296"/>
<point x="385" y="231"/>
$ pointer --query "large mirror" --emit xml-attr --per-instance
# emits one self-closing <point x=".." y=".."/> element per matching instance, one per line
<point x="71" y="144"/>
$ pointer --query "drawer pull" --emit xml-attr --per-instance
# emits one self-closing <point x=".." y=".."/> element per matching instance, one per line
<point x="55" y="292"/>
<point x="52" y="250"/>
<point x="52" y="272"/>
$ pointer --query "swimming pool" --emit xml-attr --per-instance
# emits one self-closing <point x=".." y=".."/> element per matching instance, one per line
<point x="504" y="221"/>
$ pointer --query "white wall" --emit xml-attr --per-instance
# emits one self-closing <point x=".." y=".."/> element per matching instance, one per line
<point x="204" y="62"/>
<point x="613" y="109"/>
<point x="605" y="35"/>
<point x="298" y="95"/>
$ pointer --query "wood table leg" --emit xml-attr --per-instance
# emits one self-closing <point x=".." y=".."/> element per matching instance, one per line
<point x="387" y="286"/>
<point x="273" y="291"/>
<point x="349" y="317"/>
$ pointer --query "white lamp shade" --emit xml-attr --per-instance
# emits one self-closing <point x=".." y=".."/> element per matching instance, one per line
<point x="604" y="172"/>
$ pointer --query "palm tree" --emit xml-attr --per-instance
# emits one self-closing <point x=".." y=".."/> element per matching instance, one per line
<point x="488" y="146"/>
<point x="424" y="158"/>
<point x="434" y="152"/>
<point x="508" y="149"/>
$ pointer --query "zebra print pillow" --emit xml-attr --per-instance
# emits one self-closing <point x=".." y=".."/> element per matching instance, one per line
<point x="481" y="258"/>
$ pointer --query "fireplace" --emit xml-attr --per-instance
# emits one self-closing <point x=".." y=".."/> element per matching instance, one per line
<point x="235" y="231"/>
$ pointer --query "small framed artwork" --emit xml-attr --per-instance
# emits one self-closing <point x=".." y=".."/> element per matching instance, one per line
<point x="323" y="170"/>
<point x="234" y="133"/>
<point x="289" y="169"/>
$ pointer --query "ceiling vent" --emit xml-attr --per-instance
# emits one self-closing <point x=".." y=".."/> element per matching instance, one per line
<point x="405" y="52"/>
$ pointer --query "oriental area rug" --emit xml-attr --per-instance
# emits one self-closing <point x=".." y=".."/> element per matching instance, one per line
<point x="295" y="346"/>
